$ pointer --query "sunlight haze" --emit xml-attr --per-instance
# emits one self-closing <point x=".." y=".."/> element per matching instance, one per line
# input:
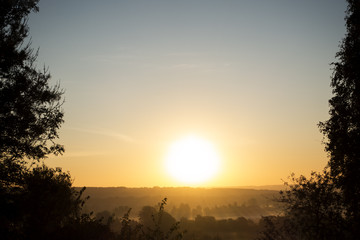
<point x="249" y="77"/>
<point x="192" y="160"/>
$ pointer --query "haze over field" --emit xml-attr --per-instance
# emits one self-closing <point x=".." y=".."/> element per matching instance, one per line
<point x="189" y="203"/>
<point x="249" y="77"/>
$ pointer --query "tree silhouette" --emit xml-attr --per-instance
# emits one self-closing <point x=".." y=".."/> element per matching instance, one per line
<point x="30" y="112"/>
<point x="342" y="130"/>
<point x="48" y="202"/>
<point x="312" y="210"/>
<point x="44" y="206"/>
<point x="158" y="224"/>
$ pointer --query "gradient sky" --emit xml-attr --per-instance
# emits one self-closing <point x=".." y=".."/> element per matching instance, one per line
<point x="251" y="76"/>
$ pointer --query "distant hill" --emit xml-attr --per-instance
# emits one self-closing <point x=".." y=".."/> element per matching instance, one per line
<point x="264" y="187"/>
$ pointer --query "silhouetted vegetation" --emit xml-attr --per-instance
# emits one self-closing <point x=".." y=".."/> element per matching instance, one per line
<point x="30" y="113"/>
<point x="327" y="205"/>
<point x="342" y="130"/>
<point x="207" y="227"/>
<point x="151" y="223"/>
<point x="43" y="205"/>
<point x="312" y="209"/>
<point x="156" y="223"/>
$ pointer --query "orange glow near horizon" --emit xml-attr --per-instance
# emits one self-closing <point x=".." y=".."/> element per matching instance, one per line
<point x="171" y="158"/>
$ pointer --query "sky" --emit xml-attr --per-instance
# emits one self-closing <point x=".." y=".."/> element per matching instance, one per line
<point x="249" y="76"/>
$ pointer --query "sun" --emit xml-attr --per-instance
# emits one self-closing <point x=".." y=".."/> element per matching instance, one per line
<point x="192" y="160"/>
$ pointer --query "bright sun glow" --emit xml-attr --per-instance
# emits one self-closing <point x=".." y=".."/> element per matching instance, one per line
<point x="192" y="160"/>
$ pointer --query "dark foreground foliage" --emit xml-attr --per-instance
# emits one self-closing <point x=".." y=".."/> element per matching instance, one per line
<point x="43" y="205"/>
<point x="312" y="209"/>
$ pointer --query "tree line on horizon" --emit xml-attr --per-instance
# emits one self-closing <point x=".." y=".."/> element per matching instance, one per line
<point x="39" y="202"/>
